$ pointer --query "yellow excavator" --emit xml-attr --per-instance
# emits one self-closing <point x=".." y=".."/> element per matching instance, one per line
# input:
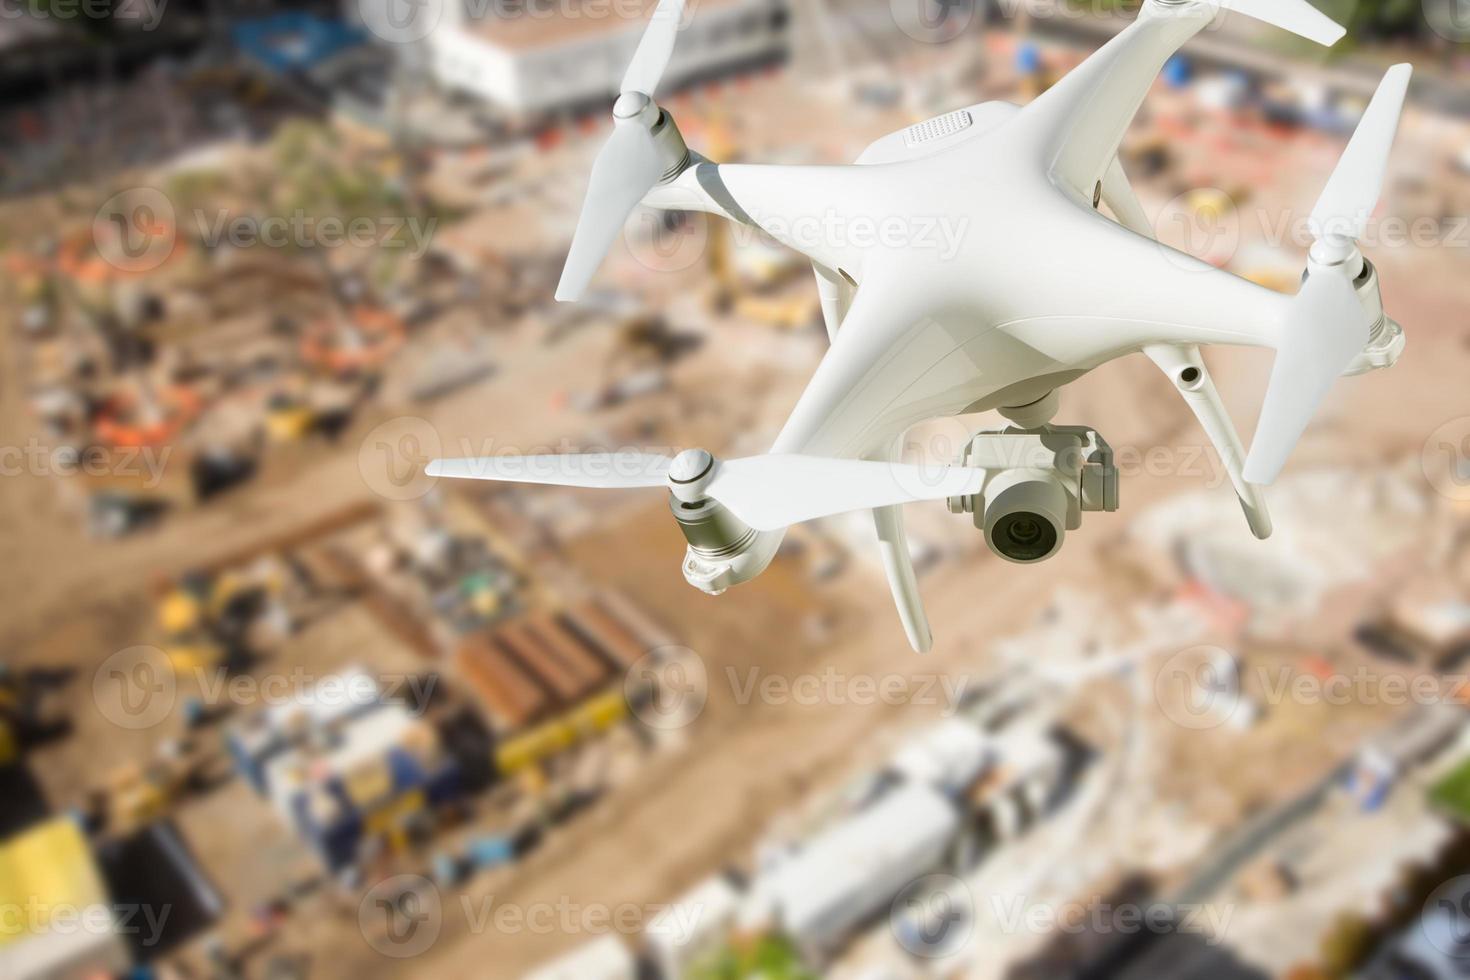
<point x="760" y="284"/>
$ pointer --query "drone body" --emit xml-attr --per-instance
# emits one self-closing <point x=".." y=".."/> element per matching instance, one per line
<point x="1032" y="288"/>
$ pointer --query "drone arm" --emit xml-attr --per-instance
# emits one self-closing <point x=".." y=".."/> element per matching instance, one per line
<point x="836" y="295"/>
<point x="1091" y="108"/>
<point x="1122" y="200"/>
<point x="802" y="207"/>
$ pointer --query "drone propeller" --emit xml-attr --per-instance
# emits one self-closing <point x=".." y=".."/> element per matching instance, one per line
<point x="1297" y="16"/>
<point x="1342" y="212"/>
<point x="630" y="164"/>
<point x="1329" y="326"/>
<point x="767" y="493"/>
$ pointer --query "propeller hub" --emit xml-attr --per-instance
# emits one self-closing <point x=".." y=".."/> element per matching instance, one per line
<point x="631" y="105"/>
<point x="690" y="475"/>
<point x="1336" y="252"/>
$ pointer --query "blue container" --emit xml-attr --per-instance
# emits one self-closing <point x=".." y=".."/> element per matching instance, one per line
<point x="491" y="852"/>
<point x="1178" y="72"/>
<point x="1028" y="59"/>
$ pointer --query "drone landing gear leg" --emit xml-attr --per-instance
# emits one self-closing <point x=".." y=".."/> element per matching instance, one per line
<point x="1186" y="370"/>
<point x="893" y="545"/>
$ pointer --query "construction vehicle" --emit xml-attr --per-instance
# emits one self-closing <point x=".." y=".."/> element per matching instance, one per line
<point x="138" y="794"/>
<point x="208" y="619"/>
<point x="751" y="282"/>
<point x="27" y="714"/>
<point x="756" y="288"/>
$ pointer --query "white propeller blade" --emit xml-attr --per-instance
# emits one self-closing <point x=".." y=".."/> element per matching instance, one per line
<point x="629" y="165"/>
<point x="1328" y="329"/>
<point x="601" y="471"/>
<point x="626" y="169"/>
<point x="1297" y="16"/>
<point x="766" y="492"/>
<point x="1352" y="193"/>
<point x="773" y="492"/>
<point x="651" y="59"/>
<point x="1328" y="325"/>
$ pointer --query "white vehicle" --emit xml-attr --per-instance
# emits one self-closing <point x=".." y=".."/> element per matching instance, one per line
<point x="1039" y="289"/>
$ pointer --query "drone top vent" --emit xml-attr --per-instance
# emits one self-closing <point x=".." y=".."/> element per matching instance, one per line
<point x="939" y="127"/>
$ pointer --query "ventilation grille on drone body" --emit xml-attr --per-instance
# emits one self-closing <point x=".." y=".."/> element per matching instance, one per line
<point x="938" y="128"/>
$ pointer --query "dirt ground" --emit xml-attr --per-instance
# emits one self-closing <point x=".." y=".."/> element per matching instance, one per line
<point x="708" y="801"/>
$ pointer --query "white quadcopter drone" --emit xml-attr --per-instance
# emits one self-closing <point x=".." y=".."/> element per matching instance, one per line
<point x="1042" y="289"/>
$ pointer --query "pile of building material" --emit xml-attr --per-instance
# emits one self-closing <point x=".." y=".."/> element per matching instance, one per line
<point x="529" y="669"/>
<point x="343" y="765"/>
<point x="1333" y="528"/>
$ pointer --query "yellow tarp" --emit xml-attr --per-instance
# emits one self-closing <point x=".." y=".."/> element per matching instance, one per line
<point x="43" y="870"/>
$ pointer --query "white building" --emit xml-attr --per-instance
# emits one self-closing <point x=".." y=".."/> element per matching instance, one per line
<point x="692" y="928"/>
<point x="541" y="58"/>
<point x="602" y="959"/>
<point x="840" y="879"/>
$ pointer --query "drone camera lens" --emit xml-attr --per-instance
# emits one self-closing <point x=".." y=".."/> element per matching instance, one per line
<point x="1024" y="536"/>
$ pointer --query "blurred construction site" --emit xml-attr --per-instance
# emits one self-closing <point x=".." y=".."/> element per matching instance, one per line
<point x="276" y="704"/>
